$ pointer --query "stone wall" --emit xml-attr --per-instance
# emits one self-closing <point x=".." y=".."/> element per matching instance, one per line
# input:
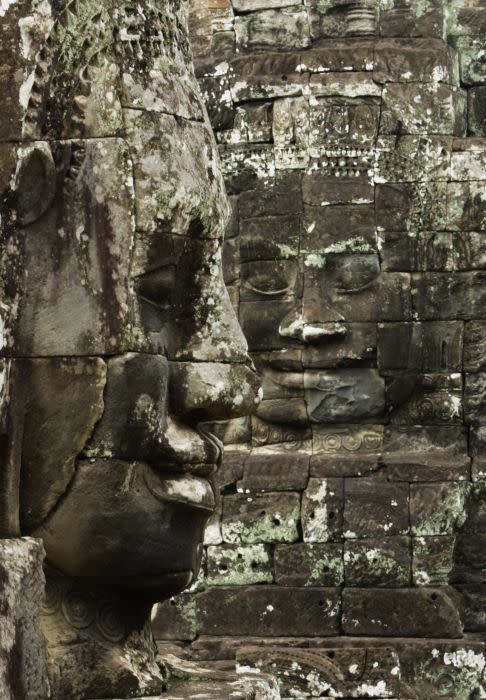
<point x="353" y="142"/>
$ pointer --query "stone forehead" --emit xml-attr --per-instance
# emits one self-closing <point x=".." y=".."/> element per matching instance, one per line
<point x="73" y="67"/>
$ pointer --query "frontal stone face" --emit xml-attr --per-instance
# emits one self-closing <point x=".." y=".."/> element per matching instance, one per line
<point x="352" y="147"/>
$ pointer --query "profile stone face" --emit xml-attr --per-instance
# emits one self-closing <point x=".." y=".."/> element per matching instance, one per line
<point x="119" y="337"/>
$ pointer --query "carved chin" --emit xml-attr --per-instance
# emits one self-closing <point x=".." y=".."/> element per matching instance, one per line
<point x="123" y="523"/>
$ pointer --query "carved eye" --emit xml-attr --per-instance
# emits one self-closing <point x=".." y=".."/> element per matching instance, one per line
<point x="266" y="286"/>
<point x="354" y="273"/>
<point x="269" y="278"/>
<point x="157" y="286"/>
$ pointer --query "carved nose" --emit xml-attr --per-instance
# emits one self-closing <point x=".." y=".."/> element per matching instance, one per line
<point x="298" y="326"/>
<point x="207" y="391"/>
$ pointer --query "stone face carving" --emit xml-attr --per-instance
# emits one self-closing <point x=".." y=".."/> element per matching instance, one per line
<point x="118" y="335"/>
<point x="353" y="151"/>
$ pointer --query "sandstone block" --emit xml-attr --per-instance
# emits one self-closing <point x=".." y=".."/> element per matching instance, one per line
<point x="411" y="207"/>
<point x="466" y="206"/>
<point x="265" y="76"/>
<point x="475" y="346"/>
<point x="344" y="395"/>
<point x="313" y="564"/>
<point x="58" y="390"/>
<point x="286" y="28"/>
<point x="420" y="346"/>
<point x="475" y="398"/>
<point x="377" y="562"/>
<point x="400" y="613"/>
<point x="433" y="560"/>
<point x="239" y="565"/>
<point x="440" y="296"/>
<point x="348" y="672"/>
<point x="175" y="619"/>
<point x="23" y="667"/>
<point x="419" y="116"/>
<point x="437" y="509"/>
<point x="413" y="158"/>
<point x="373" y="508"/>
<point x="266" y="610"/>
<point x="322" y="510"/>
<point x="257" y="518"/>
<point x="413" y="60"/>
<point x="476" y="108"/>
<point x="270" y="470"/>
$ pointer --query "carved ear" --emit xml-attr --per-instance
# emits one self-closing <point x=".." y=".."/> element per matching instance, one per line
<point x="35" y="183"/>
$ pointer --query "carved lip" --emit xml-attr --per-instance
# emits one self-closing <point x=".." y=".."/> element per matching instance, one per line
<point x="191" y="491"/>
<point x="215" y="444"/>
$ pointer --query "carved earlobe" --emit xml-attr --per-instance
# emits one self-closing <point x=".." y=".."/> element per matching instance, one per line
<point x="35" y="183"/>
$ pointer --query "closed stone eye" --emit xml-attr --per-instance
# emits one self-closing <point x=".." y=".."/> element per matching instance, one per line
<point x="157" y="286"/>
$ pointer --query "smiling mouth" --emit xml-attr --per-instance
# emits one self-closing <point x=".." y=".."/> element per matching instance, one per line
<point x="189" y="484"/>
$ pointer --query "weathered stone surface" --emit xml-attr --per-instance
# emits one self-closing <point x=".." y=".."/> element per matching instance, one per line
<point x="374" y="508"/>
<point x="269" y="238"/>
<point x="241" y="565"/>
<point x="58" y="390"/>
<point x="472" y="606"/>
<point x="439" y="296"/>
<point x="468" y="159"/>
<point x="266" y="469"/>
<point x="323" y="465"/>
<point x="112" y="215"/>
<point x="264" y="610"/>
<point x="336" y="57"/>
<point x="347" y="440"/>
<point x="377" y="562"/>
<point x="348" y="672"/>
<point x="284" y="411"/>
<point x="466" y="206"/>
<point x="322" y="510"/>
<point x="411" y="207"/>
<point x="418" y="116"/>
<point x="474" y="346"/>
<point x="23" y="667"/>
<point x="311" y="564"/>
<point x="88" y="247"/>
<point x="292" y="438"/>
<point x="400" y="613"/>
<point x="411" y="21"/>
<point x="437" y="465"/>
<point x="475" y="398"/>
<point x="445" y="440"/>
<point x="432" y="560"/>
<point x="271" y="29"/>
<point x="269" y="517"/>
<point x="420" y="346"/>
<point x="413" y="158"/>
<point x="357" y="343"/>
<point x="454" y="669"/>
<point x="189" y="680"/>
<point x="437" y="509"/>
<point x="476" y="105"/>
<point x="263" y="76"/>
<point x="136" y="389"/>
<point x="432" y="398"/>
<point x="175" y="618"/>
<point x="343" y="395"/>
<point x="413" y="60"/>
<point x="319" y="187"/>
